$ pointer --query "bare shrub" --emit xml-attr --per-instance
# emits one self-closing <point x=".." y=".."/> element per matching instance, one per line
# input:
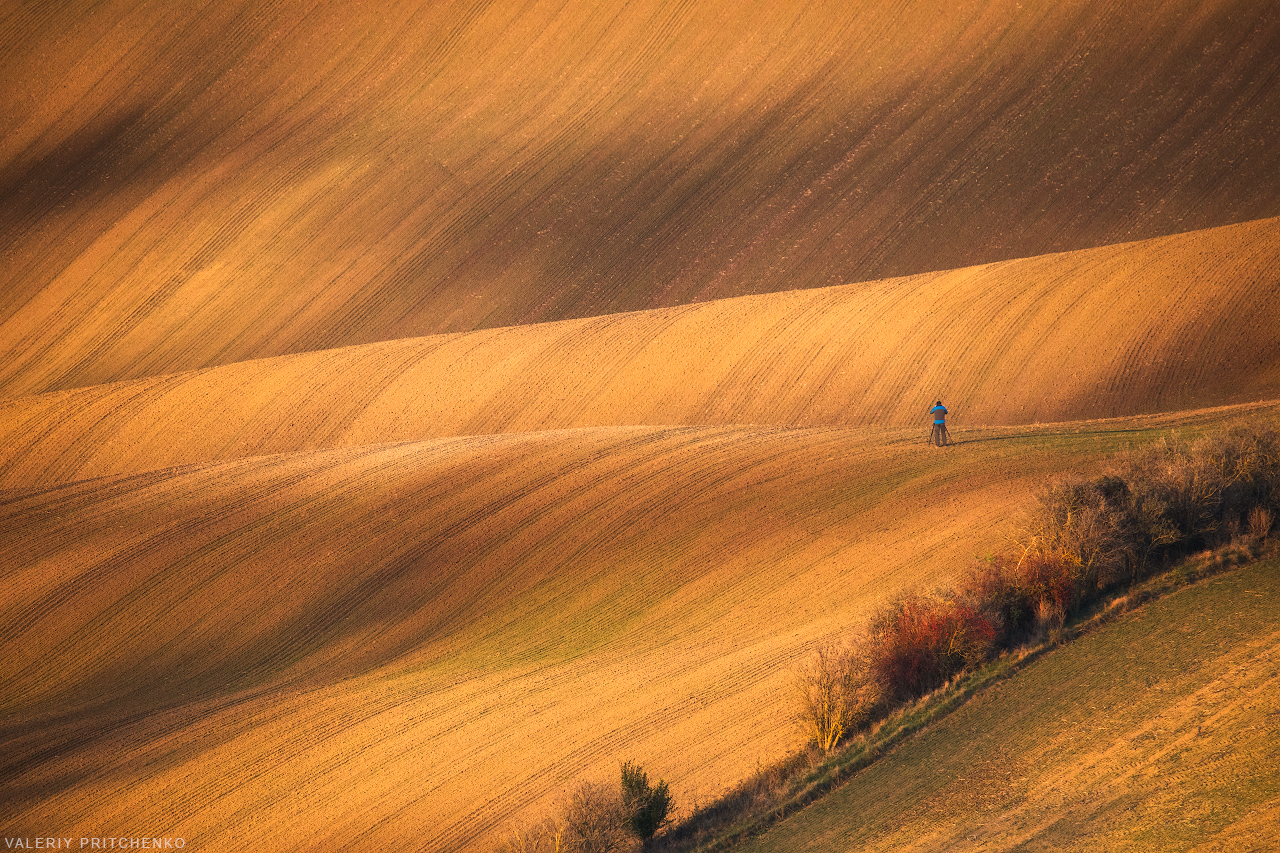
<point x="599" y="818"/>
<point x="1048" y="579"/>
<point x="595" y="820"/>
<point x="1260" y="520"/>
<point x="1187" y="480"/>
<point x="545" y="837"/>
<point x="592" y="819"/>
<point x="1079" y="525"/>
<point x="1146" y="527"/>
<point x="1210" y="487"/>
<point x="1247" y="460"/>
<point x="1050" y="618"/>
<point x="992" y="589"/>
<point x="837" y="696"/>
<point x="1089" y="536"/>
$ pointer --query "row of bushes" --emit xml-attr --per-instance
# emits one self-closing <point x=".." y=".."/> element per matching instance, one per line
<point x="1085" y="539"/>
<point x="600" y="818"/>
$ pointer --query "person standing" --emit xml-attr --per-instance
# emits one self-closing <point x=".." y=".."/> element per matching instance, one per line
<point x="939" y="435"/>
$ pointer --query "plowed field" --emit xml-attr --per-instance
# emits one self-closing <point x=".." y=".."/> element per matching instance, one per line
<point x="409" y="410"/>
<point x="192" y="184"/>
<point x="1173" y="323"/>
<point x="428" y="640"/>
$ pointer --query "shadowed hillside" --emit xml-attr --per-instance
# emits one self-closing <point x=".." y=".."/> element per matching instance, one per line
<point x="410" y="410"/>
<point x="191" y="184"/>
<point x="1179" y="322"/>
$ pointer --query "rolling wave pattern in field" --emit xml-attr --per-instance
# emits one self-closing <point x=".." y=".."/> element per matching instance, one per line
<point x="186" y="187"/>
<point x="183" y="647"/>
<point x="1173" y="323"/>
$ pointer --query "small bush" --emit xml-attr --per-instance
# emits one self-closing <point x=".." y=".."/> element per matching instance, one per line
<point x="1050" y="618"/>
<point x="599" y="818"/>
<point x="1089" y="536"/>
<point x="1075" y="541"/>
<point x="1208" y="489"/>
<point x="646" y="806"/>
<point x="837" y="694"/>
<point x="1051" y="581"/>
<point x="544" y="837"/>
<point x="593" y="819"/>
<point x="991" y="588"/>
<point x="1260" y="520"/>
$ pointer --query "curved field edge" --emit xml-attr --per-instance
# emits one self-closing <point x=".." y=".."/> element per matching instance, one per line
<point x="1163" y="325"/>
<point x="433" y="639"/>
<point x="1154" y="730"/>
<point x="193" y="186"/>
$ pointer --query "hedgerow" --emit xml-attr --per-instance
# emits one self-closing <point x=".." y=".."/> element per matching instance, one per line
<point x="1085" y="539"/>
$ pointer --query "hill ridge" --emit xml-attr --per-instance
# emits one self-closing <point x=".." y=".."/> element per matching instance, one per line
<point x="185" y="190"/>
<point x="1187" y="321"/>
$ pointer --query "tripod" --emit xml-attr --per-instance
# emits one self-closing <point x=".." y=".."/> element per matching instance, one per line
<point x="939" y="436"/>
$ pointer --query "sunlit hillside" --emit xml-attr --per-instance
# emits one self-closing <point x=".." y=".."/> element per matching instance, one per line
<point x="1157" y="733"/>
<point x="411" y="410"/>
<point x="1179" y="322"/>
<point x="190" y="184"/>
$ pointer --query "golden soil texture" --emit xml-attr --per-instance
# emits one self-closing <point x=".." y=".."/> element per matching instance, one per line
<point x="1180" y="322"/>
<point x="427" y="641"/>
<point x="409" y="410"/>
<point x="191" y="184"/>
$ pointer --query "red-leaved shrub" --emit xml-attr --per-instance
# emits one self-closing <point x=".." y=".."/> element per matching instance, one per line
<point x="917" y="643"/>
<point x="1052" y="579"/>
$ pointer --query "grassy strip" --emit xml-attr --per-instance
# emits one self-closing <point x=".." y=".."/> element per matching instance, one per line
<point x="796" y="782"/>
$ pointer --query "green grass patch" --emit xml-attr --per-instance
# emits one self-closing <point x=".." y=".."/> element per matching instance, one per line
<point x="1154" y="732"/>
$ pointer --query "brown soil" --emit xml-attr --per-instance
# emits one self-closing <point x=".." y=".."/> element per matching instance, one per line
<point x="1173" y="323"/>
<point x="190" y="185"/>
<point x="410" y="410"/>
<point x="430" y="640"/>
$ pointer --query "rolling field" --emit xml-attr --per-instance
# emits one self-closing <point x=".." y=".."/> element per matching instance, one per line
<point x="1157" y="732"/>
<point x="410" y="410"/>
<point x="195" y="183"/>
<point x="1182" y="322"/>
<point x="429" y="640"/>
